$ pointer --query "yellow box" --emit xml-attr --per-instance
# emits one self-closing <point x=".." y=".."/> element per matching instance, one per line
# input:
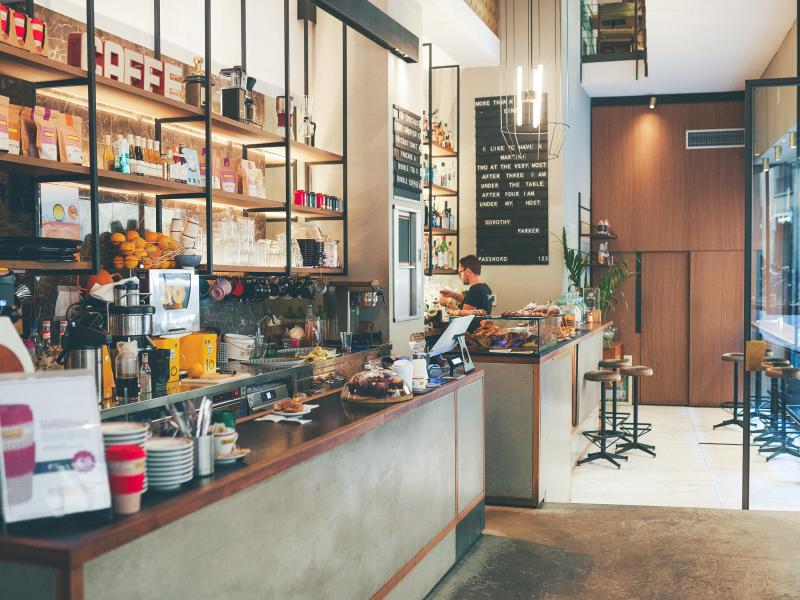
<point x="199" y="348"/>
<point x="173" y="345"/>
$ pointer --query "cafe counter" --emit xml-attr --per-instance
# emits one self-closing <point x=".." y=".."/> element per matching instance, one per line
<point x="373" y="504"/>
<point x="536" y="407"/>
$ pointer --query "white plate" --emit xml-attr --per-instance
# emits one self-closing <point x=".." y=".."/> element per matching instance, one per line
<point x="280" y="413"/>
<point x="183" y="476"/>
<point x="165" y="445"/>
<point x="228" y="459"/>
<point x="180" y="467"/>
<point x="168" y="460"/>
<point x="121" y="428"/>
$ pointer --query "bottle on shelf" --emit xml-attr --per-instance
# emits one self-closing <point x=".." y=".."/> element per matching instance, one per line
<point x="451" y="257"/>
<point x="145" y="378"/>
<point x="122" y="155"/>
<point x="108" y="154"/>
<point x="62" y="329"/>
<point x="132" y="166"/>
<point x="45" y="353"/>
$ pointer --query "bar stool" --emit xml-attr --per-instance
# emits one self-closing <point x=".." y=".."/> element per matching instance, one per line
<point x="770" y="419"/>
<point x="757" y="397"/>
<point x="783" y="375"/>
<point x="636" y="429"/>
<point x="617" y="418"/>
<point x="735" y="358"/>
<point x="601" y="437"/>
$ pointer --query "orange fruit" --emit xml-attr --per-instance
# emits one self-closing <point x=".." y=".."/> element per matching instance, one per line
<point x="127" y="247"/>
<point x="139" y="243"/>
<point x="163" y="238"/>
<point x="140" y="253"/>
<point x="131" y="262"/>
<point x="196" y="370"/>
<point x="118" y="262"/>
<point x="152" y="249"/>
<point x="147" y="262"/>
<point x="152" y="236"/>
<point x="117" y="238"/>
<point x="132" y="235"/>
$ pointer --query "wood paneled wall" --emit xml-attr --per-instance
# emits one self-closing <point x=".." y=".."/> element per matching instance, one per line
<point x="658" y="195"/>
<point x="684" y="210"/>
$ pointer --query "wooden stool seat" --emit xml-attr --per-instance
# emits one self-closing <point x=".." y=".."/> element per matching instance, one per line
<point x="636" y="371"/>
<point x="733" y="357"/>
<point x="612" y="363"/>
<point x="774" y="362"/>
<point x="603" y="376"/>
<point x="783" y="373"/>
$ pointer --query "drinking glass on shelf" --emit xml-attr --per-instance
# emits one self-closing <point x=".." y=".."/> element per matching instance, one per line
<point x="346" y="339"/>
<point x="262" y="253"/>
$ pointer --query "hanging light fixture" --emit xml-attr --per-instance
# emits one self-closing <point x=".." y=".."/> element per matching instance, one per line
<point x="766" y="164"/>
<point x="778" y="153"/>
<point x="523" y="115"/>
<point x="792" y="139"/>
<point x="652" y="102"/>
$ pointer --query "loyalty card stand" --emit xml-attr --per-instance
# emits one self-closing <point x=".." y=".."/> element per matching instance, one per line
<point x="53" y="459"/>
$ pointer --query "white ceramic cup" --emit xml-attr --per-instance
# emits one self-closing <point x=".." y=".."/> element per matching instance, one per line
<point x="224" y="443"/>
<point x="192" y="228"/>
<point x="175" y="228"/>
<point x="405" y="371"/>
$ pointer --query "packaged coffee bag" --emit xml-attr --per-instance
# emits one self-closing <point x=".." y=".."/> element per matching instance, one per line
<point x="13" y="128"/>
<point x="3" y="124"/>
<point x="46" y="121"/>
<point x="36" y="36"/>
<point x="27" y="133"/>
<point x="70" y="139"/>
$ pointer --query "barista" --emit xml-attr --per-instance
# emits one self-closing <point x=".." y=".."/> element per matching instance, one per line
<point x="479" y="296"/>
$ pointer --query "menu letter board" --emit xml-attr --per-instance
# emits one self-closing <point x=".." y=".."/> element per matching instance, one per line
<point x="407" y="136"/>
<point x="510" y="190"/>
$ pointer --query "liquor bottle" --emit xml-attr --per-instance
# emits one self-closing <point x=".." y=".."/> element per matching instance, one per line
<point x="443" y="175"/>
<point x="446" y="224"/>
<point x="132" y="166"/>
<point x="170" y="165"/>
<point x="451" y="257"/>
<point x="425" y="171"/>
<point x="108" y="154"/>
<point x="148" y="157"/>
<point x="62" y="329"/>
<point x="122" y="155"/>
<point x="45" y="354"/>
<point x="145" y="378"/>
<point x="163" y="161"/>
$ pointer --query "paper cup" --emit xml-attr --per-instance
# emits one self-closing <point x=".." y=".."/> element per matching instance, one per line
<point x="126" y="473"/>
<point x="19" y="451"/>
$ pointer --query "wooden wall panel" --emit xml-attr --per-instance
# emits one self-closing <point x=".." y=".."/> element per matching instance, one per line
<point x="715" y="324"/>
<point x="658" y="195"/>
<point x="665" y="327"/>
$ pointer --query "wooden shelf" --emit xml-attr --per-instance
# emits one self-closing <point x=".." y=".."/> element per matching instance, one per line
<point x="442" y="191"/>
<point x="44" y="265"/>
<point x="600" y="236"/>
<point x="246" y="269"/>
<point x="37" y="167"/>
<point x="145" y="185"/>
<point x="441" y="231"/>
<point x="35" y="68"/>
<point x="439" y="151"/>
<point x="317" y="212"/>
<point x="318" y="271"/>
<point x="246" y="202"/>
<point x="443" y="272"/>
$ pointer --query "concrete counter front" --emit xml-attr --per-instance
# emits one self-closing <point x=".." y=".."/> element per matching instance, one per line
<point x="536" y="408"/>
<point x="350" y="506"/>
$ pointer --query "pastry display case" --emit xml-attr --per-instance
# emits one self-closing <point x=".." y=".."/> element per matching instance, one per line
<point x="515" y="335"/>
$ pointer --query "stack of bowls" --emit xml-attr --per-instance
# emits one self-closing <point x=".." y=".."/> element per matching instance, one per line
<point x="120" y="433"/>
<point x="170" y="462"/>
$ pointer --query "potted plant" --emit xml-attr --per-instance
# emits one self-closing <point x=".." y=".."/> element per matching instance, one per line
<point x="575" y="261"/>
<point x="613" y="277"/>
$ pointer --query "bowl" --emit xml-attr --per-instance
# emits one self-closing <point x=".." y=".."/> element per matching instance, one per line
<point x="188" y="260"/>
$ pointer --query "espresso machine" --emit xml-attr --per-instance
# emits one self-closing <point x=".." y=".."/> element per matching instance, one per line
<point x="357" y="308"/>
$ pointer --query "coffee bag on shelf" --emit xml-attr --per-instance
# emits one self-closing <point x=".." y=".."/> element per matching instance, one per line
<point x="13" y="129"/>
<point x="36" y="36"/>
<point x="46" y="120"/>
<point x="3" y="124"/>
<point x="18" y="28"/>
<point x="5" y="23"/>
<point x="27" y="132"/>
<point x="70" y="139"/>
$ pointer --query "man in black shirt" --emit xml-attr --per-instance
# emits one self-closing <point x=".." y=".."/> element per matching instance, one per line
<point x="479" y="296"/>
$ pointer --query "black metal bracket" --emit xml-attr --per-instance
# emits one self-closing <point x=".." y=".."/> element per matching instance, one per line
<point x="40" y="85"/>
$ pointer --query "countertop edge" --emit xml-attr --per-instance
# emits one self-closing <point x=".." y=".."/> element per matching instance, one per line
<point x="122" y="531"/>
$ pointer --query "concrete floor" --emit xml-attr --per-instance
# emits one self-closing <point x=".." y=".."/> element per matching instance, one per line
<point x="629" y="553"/>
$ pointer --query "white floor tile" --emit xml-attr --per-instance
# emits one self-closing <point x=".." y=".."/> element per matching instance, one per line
<point x="695" y="466"/>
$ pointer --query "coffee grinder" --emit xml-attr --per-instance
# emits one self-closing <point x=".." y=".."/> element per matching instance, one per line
<point x="235" y="92"/>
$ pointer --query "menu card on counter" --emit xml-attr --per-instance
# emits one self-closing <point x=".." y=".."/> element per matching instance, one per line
<point x="407" y="136"/>
<point x="510" y="189"/>
<point x="53" y="459"/>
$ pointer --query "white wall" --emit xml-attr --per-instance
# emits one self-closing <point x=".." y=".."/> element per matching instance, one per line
<point x="569" y="174"/>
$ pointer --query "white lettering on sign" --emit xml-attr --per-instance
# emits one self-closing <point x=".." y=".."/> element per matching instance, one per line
<point x="529" y="231"/>
<point x="497" y="221"/>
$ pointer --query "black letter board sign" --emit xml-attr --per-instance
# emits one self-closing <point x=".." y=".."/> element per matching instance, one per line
<point x="510" y="190"/>
<point x="407" y="135"/>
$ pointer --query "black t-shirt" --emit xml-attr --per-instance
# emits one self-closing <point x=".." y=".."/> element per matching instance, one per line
<point x="480" y="296"/>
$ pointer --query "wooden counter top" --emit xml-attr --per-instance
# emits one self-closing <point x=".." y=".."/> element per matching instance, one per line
<point x="70" y="541"/>
<point x="583" y="332"/>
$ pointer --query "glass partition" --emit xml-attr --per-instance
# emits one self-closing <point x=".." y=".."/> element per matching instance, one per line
<point x="771" y="456"/>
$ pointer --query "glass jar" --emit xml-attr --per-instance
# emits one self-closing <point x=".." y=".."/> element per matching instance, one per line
<point x="376" y="385"/>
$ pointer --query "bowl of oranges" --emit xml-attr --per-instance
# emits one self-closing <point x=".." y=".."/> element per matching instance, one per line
<point x="152" y="250"/>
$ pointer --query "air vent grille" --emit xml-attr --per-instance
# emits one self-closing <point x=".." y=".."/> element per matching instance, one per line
<point x="699" y="139"/>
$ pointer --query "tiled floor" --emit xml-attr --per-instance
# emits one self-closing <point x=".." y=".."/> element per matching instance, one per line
<point x="695" y="466"/>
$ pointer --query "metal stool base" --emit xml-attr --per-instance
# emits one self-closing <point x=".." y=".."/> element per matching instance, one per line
<point x="647" y="448"/>
<point x="609" y="456"/>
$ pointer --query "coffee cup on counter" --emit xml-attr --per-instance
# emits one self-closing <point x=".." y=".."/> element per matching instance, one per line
<point x="126" y="467"/>
<point x="224" y="440"/>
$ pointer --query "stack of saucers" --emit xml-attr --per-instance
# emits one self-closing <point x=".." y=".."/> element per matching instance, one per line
<point x="170" y="462"/>
<point x="119" y="433"/>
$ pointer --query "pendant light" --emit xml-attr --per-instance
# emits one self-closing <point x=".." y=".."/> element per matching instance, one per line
<point x="792" y="139"/>
<point x="765" y="167"/>
<point x="778" y="153"/>
<point x="525" y="88"/>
